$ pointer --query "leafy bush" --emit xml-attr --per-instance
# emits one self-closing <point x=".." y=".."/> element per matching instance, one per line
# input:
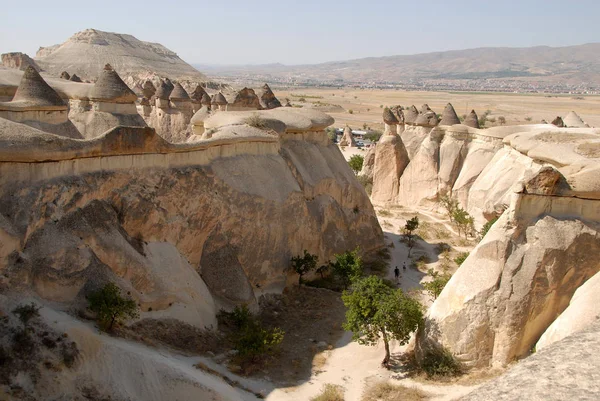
<point x="373" y="136"/>
<point x="347" y="267"/>
<point x="249" y="337"/>
<point x="486" y="227"/>
<point x="356" y="163"/>
<point x="436" y="285"/>
<point x="304" y="264"/>
<point x="461" y="258"/>
<point x="385" y="391"/>
<point x="350" y="111"/>
<point x="441" y="362"/>
<point x="110" y="307"/>
<point x="330" y="392"/>
<point x="26" y="312"/>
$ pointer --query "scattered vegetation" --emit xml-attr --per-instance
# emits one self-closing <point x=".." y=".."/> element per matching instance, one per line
<point x="250" y="339"/>
<point x="373" y="135"/>
<point x="378" y="311"/>
<point x="385" y="391"/>
<point x="366" y="182"/>
<point x="410" y="226"/>
<point x="501" y="120"/>
<point x="331" y="134"/>
<point x="437" y="283"/>
<point x="350" y="111"/>
<point x="256" y="121"/>
<point x="463" y="221"/>
<point x="528" y="119"/>
<point x="356" y="163"/>
<point x="386" y="213"/>
<point x="110" y="307"/>
<point x="461" y="258"/>
<point x="347" y="267"/>
<point x="26" y="312"/>
<point x="486" y="227"/>
<point x="441" y="363"/>
<point x="304" y="264"/>
<point x="330" y="392"/>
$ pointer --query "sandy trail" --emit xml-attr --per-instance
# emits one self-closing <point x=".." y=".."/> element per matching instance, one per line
<point x="349" y="364"/>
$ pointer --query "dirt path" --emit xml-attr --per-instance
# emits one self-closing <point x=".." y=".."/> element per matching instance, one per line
<point x="349" y="364"/>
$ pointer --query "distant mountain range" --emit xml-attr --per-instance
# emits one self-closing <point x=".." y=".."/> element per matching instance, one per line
<point x="86" y="52"/>
<point x="572" y="64"/>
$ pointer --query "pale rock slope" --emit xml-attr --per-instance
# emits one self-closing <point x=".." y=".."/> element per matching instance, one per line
<point x="87" y="51"/>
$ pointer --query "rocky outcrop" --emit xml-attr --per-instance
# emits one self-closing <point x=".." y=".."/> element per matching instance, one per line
<point x="267" y="98"/>
<point x="87" y="51"/>
<point x="18" y="60"/>
<point x="390" y="162"/>
<point x="65" y="75"/>
<point x="449" y="116"/>
<point x="187" y="228"/>
<point x="558" y="121"/>
<point x="572" y="120"/>
<point x="472" y="120"/>
<point x="369" y="162"/>
<point x="565" y="370"/>
<point x="244" y="99"/>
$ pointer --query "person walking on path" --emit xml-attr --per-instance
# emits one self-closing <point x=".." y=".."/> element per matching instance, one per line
<point x="404" y="266"/>
<point x="397" y="274"/>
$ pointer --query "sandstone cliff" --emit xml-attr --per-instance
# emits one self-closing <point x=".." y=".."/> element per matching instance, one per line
<point x="185" y="228"/>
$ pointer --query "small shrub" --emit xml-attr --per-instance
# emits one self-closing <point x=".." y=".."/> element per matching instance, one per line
<point x="240" y="316"/>
<point x="436" y="285"/>
<point x="330" y="392"/>
<point x="256" y="121"/>
<point x="501" y="120"/>
<point x="528" y="119"/>
<point x="254" y="341"/>
<point x="385" y="213"/>
<point x="347" y="267"/>
<point x="23" y="344"/>
<point x="110" y="307"/>
<point x="304" y="264"/>
<point x="27" y="312"/>
<point x="384" y="391"/>
<point x="350" y="111"/>
<point x="441" y="363"/>
<point x="486" y="227"/>
<point x="461" y="258"/>
<point x="356" y="163"/>
<point x="69" y="353"/>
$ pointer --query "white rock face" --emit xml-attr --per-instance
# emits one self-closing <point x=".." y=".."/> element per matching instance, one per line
<point x="583" y="311"/>
<point x="513" y="285"/>
<point x="391" y="160"/>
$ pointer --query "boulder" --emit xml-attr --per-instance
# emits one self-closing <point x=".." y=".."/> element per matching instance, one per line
<point x="65" y="75"/>
<point x="558" y="121"/>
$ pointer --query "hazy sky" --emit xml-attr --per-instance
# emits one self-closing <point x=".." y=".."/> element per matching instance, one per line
<point x="305" y="31"/>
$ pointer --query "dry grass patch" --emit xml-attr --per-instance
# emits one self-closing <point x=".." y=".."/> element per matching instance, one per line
<point x="385" y="391"/>
<point x="256" y="121"/>
<point x="330" y="392"/>
<point x="385" y="213"/>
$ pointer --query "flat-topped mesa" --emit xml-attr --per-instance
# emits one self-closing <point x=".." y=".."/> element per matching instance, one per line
<point x="245" y="99"/>
<point x="472" y="120"/>
<point x="449" y="116"/>
<point x="65" y="75"/>
<point x="110" y="94"/>
<point x="267" y="98"/>
<point x="572" y="120"/>
<point x="410" y="115"/>
<point x="558" y="121"/>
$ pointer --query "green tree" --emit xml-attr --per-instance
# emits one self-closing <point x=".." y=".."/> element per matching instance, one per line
<point x="461" y="258"/>
<point x="331" y="134"/>
<point x="347" y="267"/>
<point x="463" y="220"/>
<point x="110" y="307"/>
<point x="304" y="264"/>
<point x="323" y="269"/>
<point x="377" y="311"/>
<point x="410" y="226"/>
<point x="436" y="285"/>
<point x="486" y="227"/>
<point x="450" y="205"/>
<point x="356" y="163"/>
<point x="373" y="135"/>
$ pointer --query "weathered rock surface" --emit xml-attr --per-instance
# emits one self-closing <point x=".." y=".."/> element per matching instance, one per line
<point x="369" y="162"/>
<point x="224" y="215"/>
<point x="390" y="162"/>
<point x="568" y="369"/>
<point x="348" y="138"/>
<point x="18" y="60"/>
<point x="583" y="311"/>
<point x="515" y="283"/>
<point x="87" y="51"/>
